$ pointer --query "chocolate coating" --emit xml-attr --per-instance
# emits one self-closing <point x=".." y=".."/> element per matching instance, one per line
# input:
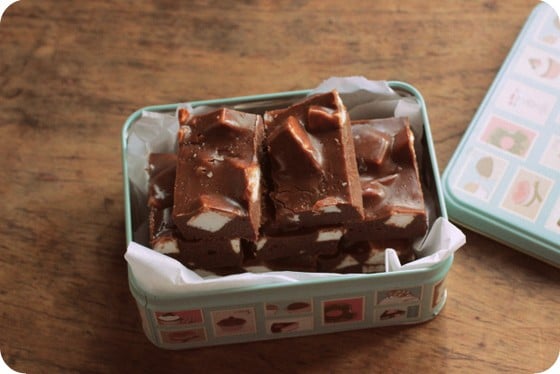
<point x="392" y="194"/>
<point x="210" y="254"/>
<point x="338" y="194"/>
<point x="303" y="242"/>
<point x="218" y="183"/>
<point x="164" y="236"/>
<point x="364" y="257"/>
<point x="312" y="164"/>
<point x="161" y="174"/>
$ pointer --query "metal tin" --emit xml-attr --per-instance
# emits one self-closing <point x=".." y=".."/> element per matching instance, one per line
<point x="305" y="308"/>
<point x="503" y="181"/>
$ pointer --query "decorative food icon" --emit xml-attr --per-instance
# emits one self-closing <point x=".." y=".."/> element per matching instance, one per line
<point x="182" y="336"/>
<point x="231" y="323"/>
<point x="338" y="313"/>
<point x="550" y="39"/>
<point x="278" y="327"/>
<point x="524" y="193"/>
<point x="169" y="318"/>
<point x="392" y="313"/>
<point x="515" y="142"/>
<point x="298" y="306"/>
<point x="546" y="68"/>
<point x="476" y="189"/>
<point x="485" y="166"/>
<point x="401" y="296"/>
<point x="271" y="309"/>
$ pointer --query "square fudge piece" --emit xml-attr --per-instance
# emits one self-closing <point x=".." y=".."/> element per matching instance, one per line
<point x="218" y="182"/>
<point x="314" y="176"/>
<point x="391" y="190"/>
<point x="164" y="236"/>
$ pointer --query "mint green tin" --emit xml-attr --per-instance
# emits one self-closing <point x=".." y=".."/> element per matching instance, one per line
<point x="308" y="307"/>
<point x="503" y="180"/>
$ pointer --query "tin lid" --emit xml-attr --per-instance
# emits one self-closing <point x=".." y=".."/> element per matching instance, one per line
<point x="503" y="180"/>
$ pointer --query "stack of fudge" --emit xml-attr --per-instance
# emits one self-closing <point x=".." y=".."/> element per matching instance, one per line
<point x="301" y="188"/>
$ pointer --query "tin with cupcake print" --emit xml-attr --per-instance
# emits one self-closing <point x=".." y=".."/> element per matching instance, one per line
<point x="241" y="307"/>
<point x="503" y="181"/>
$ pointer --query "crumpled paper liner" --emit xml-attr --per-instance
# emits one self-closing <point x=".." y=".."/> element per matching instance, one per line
<point x="164" y="276"/>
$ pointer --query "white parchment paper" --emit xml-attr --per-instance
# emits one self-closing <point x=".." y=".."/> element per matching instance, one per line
<point x="156" y="132"/>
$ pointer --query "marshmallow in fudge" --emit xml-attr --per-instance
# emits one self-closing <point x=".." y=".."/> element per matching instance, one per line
<point x="310" y="242"/>
<point x="218" y="182"/>
<point x="360" y="257"/>
<point x="364" y="257"/>
<point x="164" y="236"/>
<point x="391" y="190"/>
<point x="313" y="172"/>
<point x="203" y="254"/>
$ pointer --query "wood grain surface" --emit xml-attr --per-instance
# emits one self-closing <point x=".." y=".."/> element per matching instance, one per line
<point x="71" y="72"/>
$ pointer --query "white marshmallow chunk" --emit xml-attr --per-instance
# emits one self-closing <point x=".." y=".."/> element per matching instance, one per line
<point x="209" y="221"/>
<point x="400" y="220"/>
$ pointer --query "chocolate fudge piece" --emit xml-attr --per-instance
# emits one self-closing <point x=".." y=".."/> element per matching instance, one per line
<point x="210" y="254"/>
<point x="392" y="195"/>
<point x="304" y="242"/>
<point x="163" y="232"/>
<point x="312" y="164"/>
<point x="161" y="176"/>
<point x="164" y="236"/>
<point x="202" y="254"/>
<point x="304" y="263"/>
<point x="218" y="181"/>
<point x="161" y="180"/>
<point x="364" y="257"/>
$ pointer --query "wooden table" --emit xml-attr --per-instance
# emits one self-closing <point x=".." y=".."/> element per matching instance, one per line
<point x="72" y="72"/>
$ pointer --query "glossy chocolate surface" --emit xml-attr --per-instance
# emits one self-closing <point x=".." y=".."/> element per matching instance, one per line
<point x="312" y="164"/>
<point x="218" y="183"/>
<point x="164" y="236"/>
<point x="392" y="194"/>
<point x="322" y="211"/>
